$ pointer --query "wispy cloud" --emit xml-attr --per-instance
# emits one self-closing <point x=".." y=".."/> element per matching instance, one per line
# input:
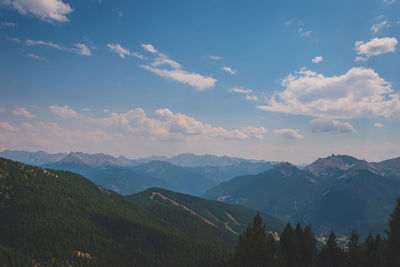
<point x="149" y="48"/>
<point x="379" y="125"/>
<point x="8" y="24"/>
<point x="215" y="57"/>
<point x="48" y="10"/>
<point x="198" y="81"/>
<point x="23" y="112"/>
<point x="122" y="52"/>
<point x="229" y="69"/>
<point x="80" y="48"/>
<point x="241" y="90"/>
<point x="195" y="80"/>
<point x="33" y="56"/>
<point x="378" y="26"/>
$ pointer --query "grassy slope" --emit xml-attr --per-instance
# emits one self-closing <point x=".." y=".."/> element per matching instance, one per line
<point x="232" y="218"/>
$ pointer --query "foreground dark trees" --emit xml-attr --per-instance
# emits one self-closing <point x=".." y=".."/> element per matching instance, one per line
<point x="298" y="248"/>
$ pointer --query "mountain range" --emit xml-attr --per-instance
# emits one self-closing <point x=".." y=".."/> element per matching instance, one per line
<point x="338" y="193"/>
<point x="187" y="173"/>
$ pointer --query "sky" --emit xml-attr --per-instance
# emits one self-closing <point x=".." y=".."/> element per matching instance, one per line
<point x="273" y="80"/>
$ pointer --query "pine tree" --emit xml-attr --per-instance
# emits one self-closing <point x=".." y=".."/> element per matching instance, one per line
<point x="331" y="255"/>
<point x="255" y="248"/>
<point x="373" y="251"/>
<point x="355" y="254"/>
<point x="308" y="246"/>
<point x="288" y="247"/>
<point x="393" y="241"/>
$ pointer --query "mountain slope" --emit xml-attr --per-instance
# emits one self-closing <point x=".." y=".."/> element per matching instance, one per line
<point x="61" y="218"/>
<point x="363" y="200"/>
<point x="281" y="191"/>
<point x="233" y="218"/>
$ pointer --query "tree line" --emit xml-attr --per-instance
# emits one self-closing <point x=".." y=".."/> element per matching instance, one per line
<point x="297" y="247"/>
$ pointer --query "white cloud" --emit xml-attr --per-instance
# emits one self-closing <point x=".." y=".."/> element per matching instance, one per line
<point x="228" y="69"/>
<point x="389" y="1"/>
<point x="23" y="112"/>
<point x="241" y="90"/>
<point x="215" y="57"/>
<point x="360" y="92"/>
<point x="149" y="48"/>
<point x="8" y="24"/>
<point x="198" y="81"/>
<point x="378" y="26"/>
<point x="30" y="55"/>
<point x="14" y="39"/>
<point x="64" y="112"/>
<point x="376" y="46"/>
<point x="251" y="97"/>
<point x="106" y="110"/>
<point x="82" y="49"/>
<point x="165" y="125"/>
<point x="317" y="59"/>
<point x="48" y="10"/>
<point x="331" y="126"/>
<point x="117" y="48"/>
<point x="8" y="127"/>
<point x="43" y="43"/>
<point x="86" y="109"/>
<point x="304" y="33"/>
<point x="288" y="133"/>
<point x="164" y="60"/>
<point x="378" y="124"/>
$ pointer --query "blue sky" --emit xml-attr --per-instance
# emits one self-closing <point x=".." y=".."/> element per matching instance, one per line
<point x="274" y="80"/>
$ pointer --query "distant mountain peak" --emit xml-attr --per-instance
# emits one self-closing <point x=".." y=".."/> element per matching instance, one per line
<point x="330" y="165"/>
<point x="93" y="160"/>
<point x="285" y="168"/>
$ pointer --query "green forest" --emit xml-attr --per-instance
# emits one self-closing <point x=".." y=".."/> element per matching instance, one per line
<point x="59" y="218"/>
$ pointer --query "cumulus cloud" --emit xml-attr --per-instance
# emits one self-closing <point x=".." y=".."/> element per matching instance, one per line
<point x="317" y="59"/>
<point x="331" y="126"/>
<point x="64" y="112"/>
<point x="378" y="26"/>
<point x="229" y="69"/>
<point x="198" y="81"/>
<point x="30" y="55"/>
<point x="48" y="10"/>
<point x="378" y="124"/>
<point x="360" y="92"/>
<point x="375" y="47"/>
<point x="122" y="52"/>
<point x="165" y="124"/>
<point x="23" y="112"/>
<point x="149" y="48"/>
<point x="288" y="133"/>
